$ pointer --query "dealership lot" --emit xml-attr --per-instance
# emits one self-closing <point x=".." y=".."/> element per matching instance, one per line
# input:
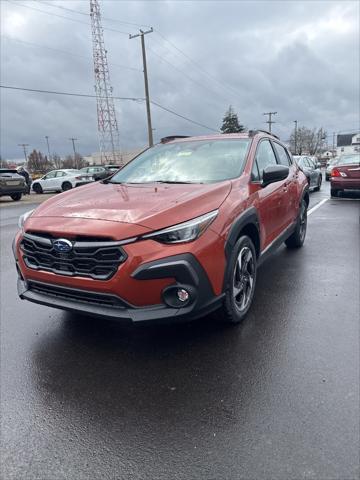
<point x="277" y="397"/>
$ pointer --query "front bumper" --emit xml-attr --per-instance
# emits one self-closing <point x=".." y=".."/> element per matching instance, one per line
<point x="185" y="269"/>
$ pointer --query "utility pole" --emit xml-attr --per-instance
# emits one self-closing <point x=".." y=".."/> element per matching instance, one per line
<point x="73" y="144"/>
<point x="295" y="140"/>
<point x="147" y="98"/>
<point x="48" y="147"/>
<point x="24" y="145"/>
<point x="270" y="122"/>
<point x="333" y="146"/>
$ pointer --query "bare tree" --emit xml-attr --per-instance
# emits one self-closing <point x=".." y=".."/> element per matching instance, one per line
<point x="309" y="141"/>
<point x="58" y="163"/>
<point x="37" y="162"/>
<point x="71" y="162"/>
<point x="68" y="162"/>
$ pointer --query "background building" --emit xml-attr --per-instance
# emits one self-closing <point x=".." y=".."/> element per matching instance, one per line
<point x="348" y="143"/>
<point x="95" y="158"/>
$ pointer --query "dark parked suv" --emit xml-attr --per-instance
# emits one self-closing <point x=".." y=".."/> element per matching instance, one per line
<point x="12" y="184"/>
<point x="176" y="233"/>
<point x="99" y="172"/>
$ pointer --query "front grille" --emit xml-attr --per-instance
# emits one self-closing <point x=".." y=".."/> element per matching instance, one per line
<point x="64" y="293"/>
<point x="99" y="260"/>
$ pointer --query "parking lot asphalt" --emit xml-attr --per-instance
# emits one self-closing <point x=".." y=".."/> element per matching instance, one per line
<point x="274" y="398"/>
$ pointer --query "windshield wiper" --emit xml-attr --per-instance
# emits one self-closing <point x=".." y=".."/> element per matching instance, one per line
<point x="175" y="181"/>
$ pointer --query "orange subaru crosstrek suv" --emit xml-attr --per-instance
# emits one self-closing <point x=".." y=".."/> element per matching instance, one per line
<point x="175" y="234"/>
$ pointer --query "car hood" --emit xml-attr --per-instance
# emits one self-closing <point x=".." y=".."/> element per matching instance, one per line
<point x="151" y="206"/>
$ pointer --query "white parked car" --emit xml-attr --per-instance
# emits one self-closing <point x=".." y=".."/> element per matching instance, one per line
<point x="61" y="180"/>
<point x="330" y="166"/>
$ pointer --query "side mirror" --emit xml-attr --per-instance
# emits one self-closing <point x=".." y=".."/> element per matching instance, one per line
<point x="318" y="165"/>
<point x="274" y="173"/>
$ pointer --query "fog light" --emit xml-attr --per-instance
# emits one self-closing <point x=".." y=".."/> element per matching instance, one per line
<point x="182" y="295"/>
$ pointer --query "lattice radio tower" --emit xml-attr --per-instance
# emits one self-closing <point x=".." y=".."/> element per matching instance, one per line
<point x="107" y="124"/>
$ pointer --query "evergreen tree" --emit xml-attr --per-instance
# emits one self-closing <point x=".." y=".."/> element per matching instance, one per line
<point x="231" y="123"/>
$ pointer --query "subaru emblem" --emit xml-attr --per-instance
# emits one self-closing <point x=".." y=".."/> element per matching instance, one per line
<point x="61" y="245"/>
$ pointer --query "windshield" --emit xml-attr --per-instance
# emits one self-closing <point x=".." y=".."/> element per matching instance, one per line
<point x="349" y="159"/>
<point x="201" y="161"/>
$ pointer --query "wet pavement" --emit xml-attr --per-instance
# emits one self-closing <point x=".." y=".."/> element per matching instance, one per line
<point x="275" y="398"/>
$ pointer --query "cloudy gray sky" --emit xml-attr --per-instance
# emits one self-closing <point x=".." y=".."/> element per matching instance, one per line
<point x="300" y="59"/>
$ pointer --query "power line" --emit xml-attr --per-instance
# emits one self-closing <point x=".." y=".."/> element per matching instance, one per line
<point x="65" y="52"/>
<point x="201" y="85"/>
<point x="185" y="118"/>
<point x="115" y="98"/>
<point x="66" y="18"/>
<point x="201" y="69"/>
<point x="222" y="84"/>
<point x="55" y="92"/>
<point x="86" y="14"/>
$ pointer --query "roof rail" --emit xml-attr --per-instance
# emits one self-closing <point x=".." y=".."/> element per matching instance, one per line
<point x="172" y="137"/>
<point x="254" y="132"/>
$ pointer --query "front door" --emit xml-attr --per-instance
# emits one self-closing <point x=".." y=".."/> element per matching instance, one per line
<point x="271" y="200"/>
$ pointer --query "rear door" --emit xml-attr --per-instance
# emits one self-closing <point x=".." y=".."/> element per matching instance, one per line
<point x="291" y="207"/>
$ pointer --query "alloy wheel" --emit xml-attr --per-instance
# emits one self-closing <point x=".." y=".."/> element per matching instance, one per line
<point x="303" y="220"/>
<point x="243" y="279"/>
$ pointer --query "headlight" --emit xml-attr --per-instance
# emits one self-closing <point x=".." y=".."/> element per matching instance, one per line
<point x="24" y="217"/>
<point x="184" y="232"/>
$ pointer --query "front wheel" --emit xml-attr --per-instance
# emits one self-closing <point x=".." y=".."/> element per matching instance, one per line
<point x="296" y="240"/>
<point x="16" y="196"/>
<point x="37" y="188"/>
<point x="240" y="282"/>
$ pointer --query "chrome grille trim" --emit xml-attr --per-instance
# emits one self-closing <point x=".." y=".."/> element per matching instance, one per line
<point x="97" y="260"/>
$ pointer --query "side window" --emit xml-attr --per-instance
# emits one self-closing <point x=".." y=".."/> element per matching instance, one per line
<point x="50" y="175"/>
<point x="60" y="174"/>
<point x="282" y="154"/>
<point x="264" y="157"/>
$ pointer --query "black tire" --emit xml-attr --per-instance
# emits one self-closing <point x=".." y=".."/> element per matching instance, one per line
<point x="16" y="196"/>
<point x="66" y="186"/>
<point x="241" y="278"/>
<point x="327" y="178"/>
<point x="334" y="192"/>
<point x="37" y="188"/>
<point x="317" y="188"/>
<point x="296" y="240"/>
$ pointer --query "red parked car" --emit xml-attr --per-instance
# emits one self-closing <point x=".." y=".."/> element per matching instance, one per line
<point x="175" y="234"/>
<point x="346" y="174"/>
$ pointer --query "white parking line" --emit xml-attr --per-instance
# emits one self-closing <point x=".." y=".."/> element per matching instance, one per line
<point x="318" y="205"/>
